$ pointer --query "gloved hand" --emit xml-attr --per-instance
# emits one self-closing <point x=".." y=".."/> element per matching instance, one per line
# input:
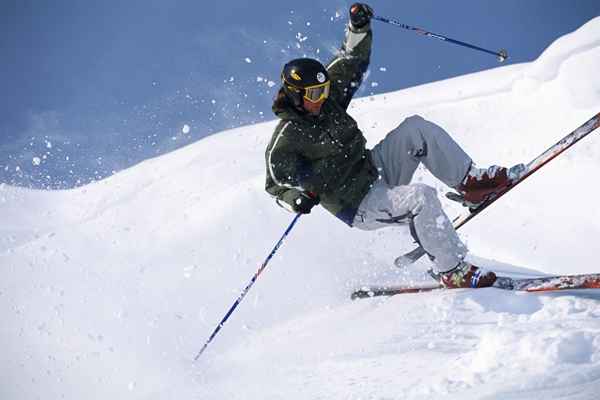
<point x="360" y="14"/>
<point x="305" y="202"/>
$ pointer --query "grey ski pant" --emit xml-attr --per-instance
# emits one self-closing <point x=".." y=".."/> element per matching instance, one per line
<point x="393" y="201"/>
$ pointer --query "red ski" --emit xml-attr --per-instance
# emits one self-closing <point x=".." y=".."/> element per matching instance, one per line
<point x="543" y="284"/>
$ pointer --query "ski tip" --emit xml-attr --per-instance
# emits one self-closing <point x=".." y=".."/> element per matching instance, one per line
<point x="597" y="123"/>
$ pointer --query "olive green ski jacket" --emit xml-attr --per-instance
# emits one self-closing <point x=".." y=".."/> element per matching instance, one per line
<point x="325" y="154"/>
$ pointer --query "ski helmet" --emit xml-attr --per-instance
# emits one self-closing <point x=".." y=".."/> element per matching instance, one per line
<point x="305" y="78"/>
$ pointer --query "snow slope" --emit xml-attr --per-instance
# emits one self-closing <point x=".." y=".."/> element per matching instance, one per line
<point x="108" y="291"/>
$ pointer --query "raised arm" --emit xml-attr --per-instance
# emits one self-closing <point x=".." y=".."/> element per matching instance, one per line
<point x="346" y="70"/>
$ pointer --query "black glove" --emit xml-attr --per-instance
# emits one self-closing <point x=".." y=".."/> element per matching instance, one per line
<point x="360" y="14"/>
<point x="305" y="202"/>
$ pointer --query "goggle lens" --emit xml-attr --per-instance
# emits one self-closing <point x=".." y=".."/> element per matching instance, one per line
<point x="318" y="93"/>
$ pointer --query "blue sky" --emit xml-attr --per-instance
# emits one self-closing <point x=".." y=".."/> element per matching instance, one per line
<point x="90" y="88"/>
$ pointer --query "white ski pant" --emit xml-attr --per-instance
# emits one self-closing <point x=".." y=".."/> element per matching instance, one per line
<point x="393" y="201"/>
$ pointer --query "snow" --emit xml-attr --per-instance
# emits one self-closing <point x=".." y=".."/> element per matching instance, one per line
<point x="110" y="290"/>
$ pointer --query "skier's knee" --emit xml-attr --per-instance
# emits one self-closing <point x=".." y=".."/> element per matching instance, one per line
<point x="424" y="192"/>
<point x="422" y="196"/>
<point x="415" y="119"/>
<point x="412" y="122"/>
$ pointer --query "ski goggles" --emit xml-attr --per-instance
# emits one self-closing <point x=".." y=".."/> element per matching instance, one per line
<point x="315" y="93"/>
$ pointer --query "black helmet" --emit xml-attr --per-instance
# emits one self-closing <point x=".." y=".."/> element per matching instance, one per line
<point x="305" y="78"/>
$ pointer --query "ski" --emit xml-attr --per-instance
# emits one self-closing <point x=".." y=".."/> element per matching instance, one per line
<point x="377" y="291"/>
<point x="543" y="284"/>
<point x="535" y="165"/>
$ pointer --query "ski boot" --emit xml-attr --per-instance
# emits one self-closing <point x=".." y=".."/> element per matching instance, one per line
<point x="480" y="183"/>
<point x="466" y="275"/>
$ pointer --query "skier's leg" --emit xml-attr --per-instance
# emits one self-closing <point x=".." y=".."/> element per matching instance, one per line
<point x="417" y="207"/>
<point x="417" y="140"/>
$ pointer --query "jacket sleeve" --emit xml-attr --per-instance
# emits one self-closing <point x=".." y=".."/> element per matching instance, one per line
<point x="347" y="68"/>
<point x="289" y="173"/>
<point x="282" y="182"/>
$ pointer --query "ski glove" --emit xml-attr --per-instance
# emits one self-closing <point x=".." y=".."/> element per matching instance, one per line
<point x="360" y="14"/>
<point x="305" y="202"/>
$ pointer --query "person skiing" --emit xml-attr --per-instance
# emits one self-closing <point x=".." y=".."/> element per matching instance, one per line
<point x="318" y="155"/>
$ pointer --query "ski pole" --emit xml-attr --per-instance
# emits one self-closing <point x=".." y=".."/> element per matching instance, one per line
<point x="502" y="54"/>
<point x="247" y="289"/>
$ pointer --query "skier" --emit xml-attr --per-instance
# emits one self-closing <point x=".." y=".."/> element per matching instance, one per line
<point x="317" y="155"/>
